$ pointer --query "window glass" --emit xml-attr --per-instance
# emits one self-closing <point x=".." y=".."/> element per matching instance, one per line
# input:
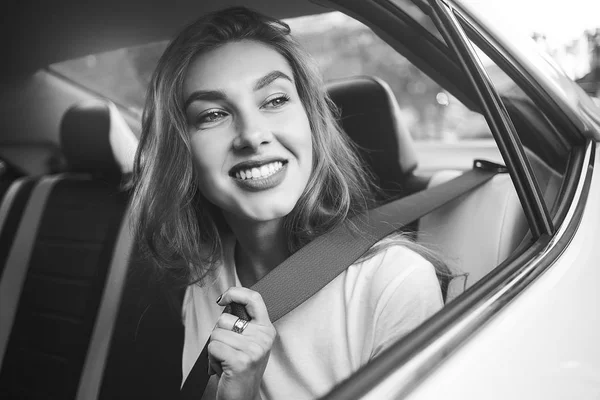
<point x="342" y="47"/>
<point x="351" y="48"/>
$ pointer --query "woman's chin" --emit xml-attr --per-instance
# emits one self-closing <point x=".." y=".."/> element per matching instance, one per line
<point x="266" y="216"/>
<point x="263" y="213"/>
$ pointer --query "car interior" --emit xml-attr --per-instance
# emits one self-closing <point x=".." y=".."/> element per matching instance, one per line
<point x="74" y="294"/>
<point x="59" y="289"/>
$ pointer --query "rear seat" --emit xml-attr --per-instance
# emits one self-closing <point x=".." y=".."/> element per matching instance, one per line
<point x="62" y="254"/>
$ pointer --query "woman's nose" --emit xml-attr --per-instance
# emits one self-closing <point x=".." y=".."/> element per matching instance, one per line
<point x="252" y="132"/>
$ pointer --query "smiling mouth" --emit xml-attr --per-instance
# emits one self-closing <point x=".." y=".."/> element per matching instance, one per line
<point x="257" y="171"/>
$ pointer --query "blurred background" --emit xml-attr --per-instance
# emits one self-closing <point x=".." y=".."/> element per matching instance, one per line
<point x="568" y="30"/>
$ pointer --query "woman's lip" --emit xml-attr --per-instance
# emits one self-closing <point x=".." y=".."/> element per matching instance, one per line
<point x="254" y="164"/>
<point x="257" y="185"/>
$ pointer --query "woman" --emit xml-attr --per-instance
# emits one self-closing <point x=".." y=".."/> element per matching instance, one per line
<point x="241" y="163"/>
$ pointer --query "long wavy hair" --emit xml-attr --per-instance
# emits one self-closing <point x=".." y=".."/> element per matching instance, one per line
<point x="176" y="226"/>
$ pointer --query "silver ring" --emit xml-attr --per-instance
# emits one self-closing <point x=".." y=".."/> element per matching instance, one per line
<point x="239" y="325"/>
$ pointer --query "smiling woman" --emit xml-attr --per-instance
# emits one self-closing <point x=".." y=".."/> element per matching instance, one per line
<point x="241" y="162"/>
<point x="229" y="184"/>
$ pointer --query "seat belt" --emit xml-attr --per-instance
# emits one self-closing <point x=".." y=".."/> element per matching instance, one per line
<point x="312" y="267"/>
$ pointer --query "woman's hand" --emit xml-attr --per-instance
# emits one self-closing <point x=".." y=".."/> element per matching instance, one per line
<point x="240" y="359"/>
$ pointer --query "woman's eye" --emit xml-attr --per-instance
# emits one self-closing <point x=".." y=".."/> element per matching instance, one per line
<point x="210" y="117"/>
<point x="277" y="101"/>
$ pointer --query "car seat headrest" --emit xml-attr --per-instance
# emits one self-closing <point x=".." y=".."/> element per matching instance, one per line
<point x="370" y="115"/>
<point x="96" y="139"/>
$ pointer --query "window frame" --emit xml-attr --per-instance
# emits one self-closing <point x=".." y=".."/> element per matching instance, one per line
<point x="446" y="19"/>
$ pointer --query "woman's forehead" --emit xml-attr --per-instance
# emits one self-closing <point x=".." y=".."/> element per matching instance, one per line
<point x="237" y="64"/>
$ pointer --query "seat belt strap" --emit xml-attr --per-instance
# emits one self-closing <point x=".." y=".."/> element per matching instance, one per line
<point x="307" y="271"/>
<point x="312" y="267"/>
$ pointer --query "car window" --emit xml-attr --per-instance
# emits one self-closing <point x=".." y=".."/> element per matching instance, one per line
<point x="120" y="75"/>
<point x="351" y="48"/>
<point x="341" y="46"/>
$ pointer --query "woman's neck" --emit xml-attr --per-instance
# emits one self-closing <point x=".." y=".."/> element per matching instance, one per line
<point x="260" y="247"/>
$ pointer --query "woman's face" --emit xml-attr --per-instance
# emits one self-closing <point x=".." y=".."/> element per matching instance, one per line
<point x="250" y="135"/>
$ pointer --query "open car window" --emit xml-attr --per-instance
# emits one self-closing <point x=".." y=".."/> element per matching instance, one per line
<point x="351" y="48"/>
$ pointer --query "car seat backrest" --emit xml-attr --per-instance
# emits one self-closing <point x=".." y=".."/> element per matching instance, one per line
<point x="95" y="139"/>
<point x="57" y="267"/>
<point x="479" y="230"/>
<point x="12" y="205"/>
<point x="370" y="115"/>
<point x="144" y="358"/>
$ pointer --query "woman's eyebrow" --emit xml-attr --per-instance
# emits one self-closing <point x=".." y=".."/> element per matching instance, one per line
<point x="270" y="77"/>
<point x="214" y="95"/>
<point x="208" y="95"/>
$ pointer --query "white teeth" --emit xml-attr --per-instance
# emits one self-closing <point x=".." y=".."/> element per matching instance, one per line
<point x="260" y="173"/>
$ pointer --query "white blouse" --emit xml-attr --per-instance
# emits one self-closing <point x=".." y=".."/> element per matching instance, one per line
<point x="362" y="311"/>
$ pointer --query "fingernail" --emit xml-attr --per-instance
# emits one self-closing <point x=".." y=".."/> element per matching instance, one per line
<point x="219" y="299"/>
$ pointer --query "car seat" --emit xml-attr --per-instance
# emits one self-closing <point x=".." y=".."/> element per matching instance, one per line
<point x="370" y="115"/>
<point x="62" y="255"/>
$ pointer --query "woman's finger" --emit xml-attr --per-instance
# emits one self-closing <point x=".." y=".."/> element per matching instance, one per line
<point x="226" y="321"/>
<point x="214" y="366"/>
<point x="256" y="345"/>
<point x="250" y="299"/>
<point x="228" y="357"/>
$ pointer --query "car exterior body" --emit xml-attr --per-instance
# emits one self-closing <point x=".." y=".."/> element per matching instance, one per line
<point x="529" y="329"/>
